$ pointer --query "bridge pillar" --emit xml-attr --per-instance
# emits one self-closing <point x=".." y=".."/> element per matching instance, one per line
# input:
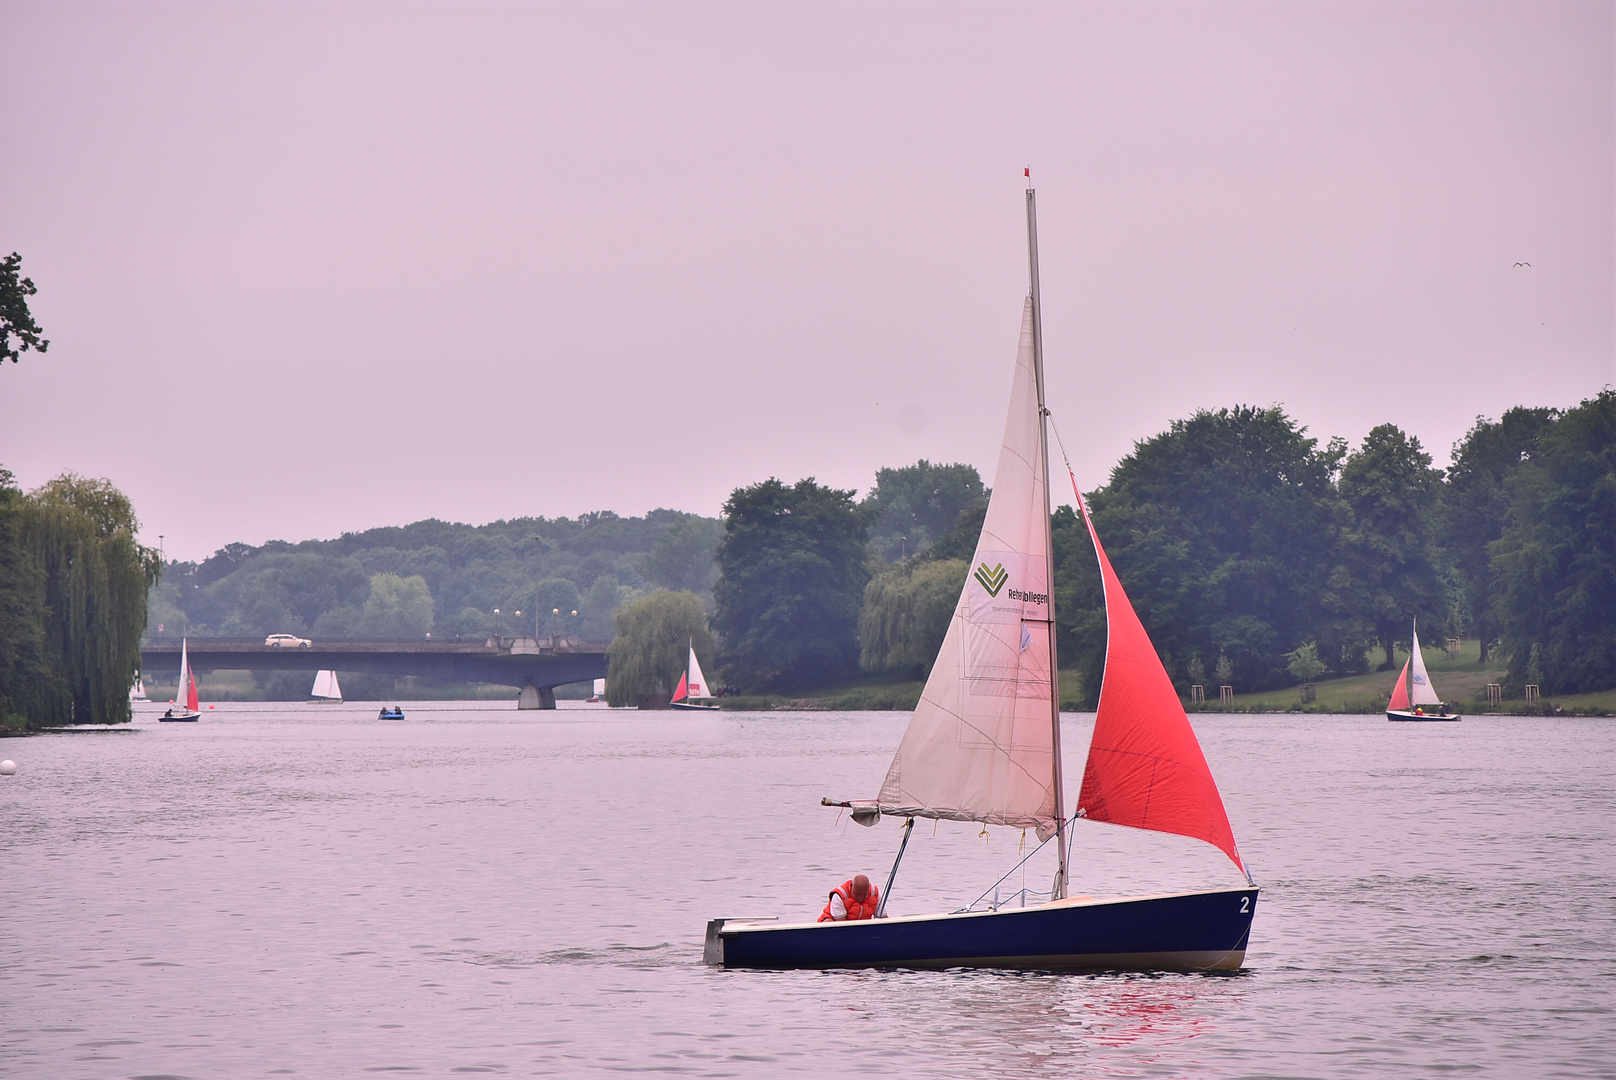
<point x="536" y="697"/>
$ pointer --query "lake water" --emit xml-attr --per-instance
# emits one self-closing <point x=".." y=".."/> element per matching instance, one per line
<point x="290" y="890"/>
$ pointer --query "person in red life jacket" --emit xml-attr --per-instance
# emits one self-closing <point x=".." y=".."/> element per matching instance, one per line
<point x="852" y="900"/>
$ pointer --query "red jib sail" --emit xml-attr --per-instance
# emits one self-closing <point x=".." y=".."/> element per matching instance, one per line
<point x="1400" y="691"/>
<point x="679" y="694"/>
<point x="190" y="694"/>
<point x="1145" y="766"/>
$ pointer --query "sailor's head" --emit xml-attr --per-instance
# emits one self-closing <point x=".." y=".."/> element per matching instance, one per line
<point x="861" y="887"/>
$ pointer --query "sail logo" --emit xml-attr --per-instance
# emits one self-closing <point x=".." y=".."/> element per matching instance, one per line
<point x="992" y="580"/>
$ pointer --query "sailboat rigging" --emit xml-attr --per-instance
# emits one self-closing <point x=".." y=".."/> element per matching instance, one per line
<point x="983" y="745"/>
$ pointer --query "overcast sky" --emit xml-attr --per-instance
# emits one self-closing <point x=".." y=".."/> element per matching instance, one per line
<point x="309" y="268"/>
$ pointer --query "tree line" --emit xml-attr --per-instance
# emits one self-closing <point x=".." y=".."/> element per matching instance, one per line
<point x="1252" y="553"/>
<point x="515" y="577"/>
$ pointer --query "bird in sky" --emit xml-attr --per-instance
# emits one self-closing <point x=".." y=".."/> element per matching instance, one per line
<point x="1525" y="264"/>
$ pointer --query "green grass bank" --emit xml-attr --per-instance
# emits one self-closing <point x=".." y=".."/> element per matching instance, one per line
<point x="1461" y="679"/>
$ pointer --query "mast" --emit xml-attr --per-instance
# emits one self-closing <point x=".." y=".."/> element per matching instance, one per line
<point x="1058" y="890"/>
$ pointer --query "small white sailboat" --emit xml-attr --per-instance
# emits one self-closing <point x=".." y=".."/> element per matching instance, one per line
<point x="137" y="692"/>
<point x="325" y="690"/>
<point x="692" y="686"/>
<point x="185" y="692"/>
<point x="984" y="745"/>
<point x="1414" y="698"/>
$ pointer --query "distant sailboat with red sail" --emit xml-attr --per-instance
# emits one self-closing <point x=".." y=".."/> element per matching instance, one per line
<point x="1414" y="698"/>
<point x="184" y="692"/>
<point x="983" y="745"/>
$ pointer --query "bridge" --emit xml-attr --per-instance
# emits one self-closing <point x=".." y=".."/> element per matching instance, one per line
<point x="536" y="665"/>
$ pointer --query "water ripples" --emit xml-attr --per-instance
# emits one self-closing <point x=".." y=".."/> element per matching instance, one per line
<point x="309" y="892"/>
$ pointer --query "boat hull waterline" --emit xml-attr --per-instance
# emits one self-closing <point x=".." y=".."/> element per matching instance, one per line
<point x="1196" y="931"/>
<point x="690" y="707"/>
<point x="1409" y="714"/>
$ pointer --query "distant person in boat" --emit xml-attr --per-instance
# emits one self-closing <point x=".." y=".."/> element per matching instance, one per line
<point x="852" y="900"/>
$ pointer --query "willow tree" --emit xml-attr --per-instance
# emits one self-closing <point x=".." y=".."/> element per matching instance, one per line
<point x="92" y="580"/>
<point x="652" y="644"/>
<point x="22" y="611"/>
<point x="906" y="614"/>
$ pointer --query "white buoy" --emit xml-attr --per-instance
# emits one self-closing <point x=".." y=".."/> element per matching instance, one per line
<point x="8" y="767"/>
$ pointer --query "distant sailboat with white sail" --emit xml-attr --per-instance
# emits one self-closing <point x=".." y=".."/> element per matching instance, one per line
<point x="325" y="690"/>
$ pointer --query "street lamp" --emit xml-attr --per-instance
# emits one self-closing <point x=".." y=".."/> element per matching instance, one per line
<point x="538" y="612"/>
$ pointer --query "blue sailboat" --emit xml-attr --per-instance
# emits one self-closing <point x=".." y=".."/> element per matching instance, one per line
<point x="983" y="745"/>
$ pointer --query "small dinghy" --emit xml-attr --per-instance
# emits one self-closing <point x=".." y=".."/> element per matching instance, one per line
<point x="391" y="712"/>
<point x="1421" y="702"/>
<point x="983" y="746"/>
<point x="692" y="686"/>
<point x="189" y="712"/>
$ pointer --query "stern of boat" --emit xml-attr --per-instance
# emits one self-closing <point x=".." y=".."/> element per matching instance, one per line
<point x="712" y="952"/>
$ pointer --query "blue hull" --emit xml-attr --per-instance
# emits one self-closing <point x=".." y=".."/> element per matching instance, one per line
<point x="1406" y="714"/>
<point x="1200" y="931"/>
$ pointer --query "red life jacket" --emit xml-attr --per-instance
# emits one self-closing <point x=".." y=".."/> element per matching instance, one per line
<point x="855" y="910"/>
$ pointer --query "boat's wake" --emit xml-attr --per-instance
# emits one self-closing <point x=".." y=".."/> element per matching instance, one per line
<point x="637" y="957"/>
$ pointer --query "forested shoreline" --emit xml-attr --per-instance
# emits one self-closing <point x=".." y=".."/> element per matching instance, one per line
<point x="1249" y="549"/>
<point x="1246" y="544"/>
<point x="1257" y="556"/>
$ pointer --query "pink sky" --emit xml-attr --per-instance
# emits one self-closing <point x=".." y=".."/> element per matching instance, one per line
<point x="308" y="268"/>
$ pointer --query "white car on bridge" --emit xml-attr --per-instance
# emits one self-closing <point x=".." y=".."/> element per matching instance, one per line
<point x="287" y="641"/>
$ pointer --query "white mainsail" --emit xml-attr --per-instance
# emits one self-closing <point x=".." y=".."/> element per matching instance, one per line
<point x="180" y="691"/>
<point x="1420" y="693"/>
<point x="325" y="685"/>
<point x="981" y="743"/>
<point x="697" y="685"/>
